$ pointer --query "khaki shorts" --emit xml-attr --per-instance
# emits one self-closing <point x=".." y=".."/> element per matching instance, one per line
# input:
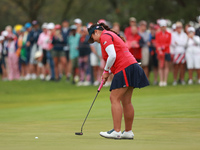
<point x="145" y="56"/>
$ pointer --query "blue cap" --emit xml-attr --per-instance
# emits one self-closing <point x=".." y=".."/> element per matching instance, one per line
<point x="27" y="25"/>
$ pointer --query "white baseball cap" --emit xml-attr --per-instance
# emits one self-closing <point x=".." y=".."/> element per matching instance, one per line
<point x="2" y="38"/>
<point x="162" y="23"/>
<point x="50" y="26"/>
<point x="4" y="33"/>
<point x="191" y="29"/>
<point x="174" y="26"/>
<point x="44" y="25"/>
<point x="78" y="21"/>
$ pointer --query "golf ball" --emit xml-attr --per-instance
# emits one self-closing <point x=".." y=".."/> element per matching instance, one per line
<point x="36" y="137"/>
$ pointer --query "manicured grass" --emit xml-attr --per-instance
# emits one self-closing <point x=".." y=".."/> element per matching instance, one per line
<point x="166" y="118"/>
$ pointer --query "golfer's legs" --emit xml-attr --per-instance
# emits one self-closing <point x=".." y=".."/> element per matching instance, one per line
<point x="116" y="108"/>
<point x="128" y="109"/>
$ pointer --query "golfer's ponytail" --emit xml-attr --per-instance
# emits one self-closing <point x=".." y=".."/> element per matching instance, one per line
<point x="108" y="29"/>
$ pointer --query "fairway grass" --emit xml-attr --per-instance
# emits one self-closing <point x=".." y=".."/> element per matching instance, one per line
<point x="166" y="118"/>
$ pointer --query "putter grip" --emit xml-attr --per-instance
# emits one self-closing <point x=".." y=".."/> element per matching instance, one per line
<point x="100" y="86"/>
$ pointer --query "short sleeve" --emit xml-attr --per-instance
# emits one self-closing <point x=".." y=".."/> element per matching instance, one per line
<point x="106" y="40"/>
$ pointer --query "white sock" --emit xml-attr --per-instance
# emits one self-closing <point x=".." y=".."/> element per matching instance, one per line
<point x="118" y="132"/>
<point x="130" y="131"/>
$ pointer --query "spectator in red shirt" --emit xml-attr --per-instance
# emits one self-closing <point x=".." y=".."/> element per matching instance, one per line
<point x="163" y="41"/>
<point x="134" y="43"/>
<point x="127" y="31"/>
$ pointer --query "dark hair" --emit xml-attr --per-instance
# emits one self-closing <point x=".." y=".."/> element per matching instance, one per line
<point x="108" y="29"/>
<point x="104" y="26"/>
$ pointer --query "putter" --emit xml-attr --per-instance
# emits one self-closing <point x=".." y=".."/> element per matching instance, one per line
<point x="81" y="133"/>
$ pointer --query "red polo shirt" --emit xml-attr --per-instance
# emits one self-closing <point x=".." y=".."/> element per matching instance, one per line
<point x="136" y="50"/>
<point x="163" y="41"/>
<point x="123" y="57"/>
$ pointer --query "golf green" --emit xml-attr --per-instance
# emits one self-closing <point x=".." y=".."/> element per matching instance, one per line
<point x="166" y="118"/>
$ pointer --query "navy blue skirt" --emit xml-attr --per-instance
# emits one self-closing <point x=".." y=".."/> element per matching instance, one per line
<point x="132" y="76"/>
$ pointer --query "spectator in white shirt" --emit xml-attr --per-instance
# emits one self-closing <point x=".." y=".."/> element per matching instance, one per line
<point x="179" y="40"/>
<point x="193" y="54"/>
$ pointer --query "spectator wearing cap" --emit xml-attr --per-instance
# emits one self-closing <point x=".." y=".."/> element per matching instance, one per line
<point x="21" y="50"/>
<point x="163" y="42"/>
<point x="134" y="43"/>
<point x="58" y="52"/>
<point x="73" y="41"/>
<point x="179" y="41"/>
<point x="193" y="55"/>
<point x="28" y="28"/>
<point x="78" y="23"/>
<point x="65" y="33"/>
<point x="127" y="31"/>
<point x="32" y="42"/>
<point x="145" y="48"/>
<point x="44" y="43"/>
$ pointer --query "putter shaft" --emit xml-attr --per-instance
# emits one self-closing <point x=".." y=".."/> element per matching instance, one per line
<point x="89" y="110"/>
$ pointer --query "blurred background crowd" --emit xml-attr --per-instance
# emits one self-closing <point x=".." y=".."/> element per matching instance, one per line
<point x="49" y="51"/>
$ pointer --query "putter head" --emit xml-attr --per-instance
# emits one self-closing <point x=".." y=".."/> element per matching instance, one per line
<point x="79" y="133"/>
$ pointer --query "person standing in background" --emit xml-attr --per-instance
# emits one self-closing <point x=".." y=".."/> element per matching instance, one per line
<point x="128" y="30"/>
<point x="163" y="41"/>
<point x="13" y="61"/>
<point x="197" y="32"/>
<point x="65" y="32"/>
<point x="134" y="43"/>
<point x="179" y="41"/>
<point x="83" y="60"/>
<point x="116" y="28"/>
<point x="145" y="48"/>
<point x="4" y="56"/>
<point x="32" y="42"/>
<point x="73" y="41"/>
<point x="1" y="56"/>
<point x="28" y="28"/>
<point x="193" y="55"/>
<point x="44" y="42"/>
<point x="153" y="55"/>
<point x="58" y="52"/>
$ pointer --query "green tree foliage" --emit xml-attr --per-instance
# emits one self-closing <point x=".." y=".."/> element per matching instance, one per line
<point x="21" y="11"/>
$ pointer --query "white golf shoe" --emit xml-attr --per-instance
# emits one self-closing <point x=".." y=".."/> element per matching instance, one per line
<point x="112" y="134"/>
<point x="127" y="135"/>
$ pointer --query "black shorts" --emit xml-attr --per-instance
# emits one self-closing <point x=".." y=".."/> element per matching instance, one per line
<point x="132" y="76"/>
<point x="44" y="58"/>
<point x="167" y="57"/>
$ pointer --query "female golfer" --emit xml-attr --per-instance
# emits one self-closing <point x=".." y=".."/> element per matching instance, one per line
<point x="127" y="76"/>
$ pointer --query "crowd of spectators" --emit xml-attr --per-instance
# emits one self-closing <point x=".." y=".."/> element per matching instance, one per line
<point x="29" y="52"/>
